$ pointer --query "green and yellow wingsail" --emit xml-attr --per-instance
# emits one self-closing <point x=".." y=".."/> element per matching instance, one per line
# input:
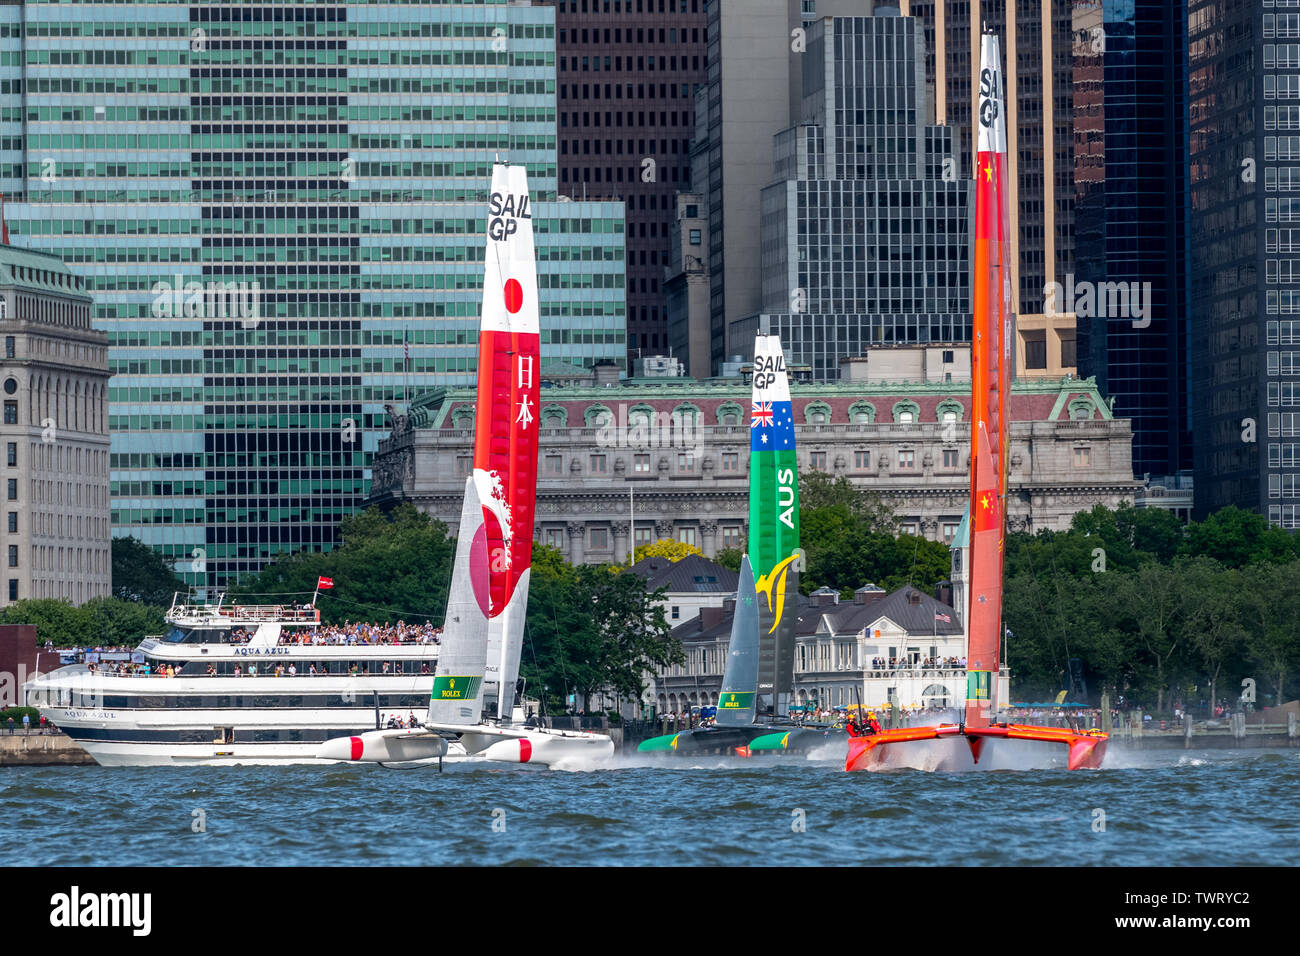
<point x="773" y="525"/>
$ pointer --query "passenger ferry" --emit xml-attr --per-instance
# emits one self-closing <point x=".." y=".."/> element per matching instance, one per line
<point x="252" y="684"/>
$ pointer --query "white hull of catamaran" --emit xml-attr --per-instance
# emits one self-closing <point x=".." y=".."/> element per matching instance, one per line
<point x="478" y="743"/>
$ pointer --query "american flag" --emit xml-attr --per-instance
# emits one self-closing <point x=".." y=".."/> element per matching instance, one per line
<point x="761" y="415"/>
<point x="942" y="617"/>
<point x="406" y="347"/>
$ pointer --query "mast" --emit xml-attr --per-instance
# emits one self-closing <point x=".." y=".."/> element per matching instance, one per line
<point x="505" y="434"/>
<point x="773" y="524"/>
<point x="991" y="331"/>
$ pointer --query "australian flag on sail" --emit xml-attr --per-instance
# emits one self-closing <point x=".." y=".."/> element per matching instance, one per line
<point x="771" y="426"/>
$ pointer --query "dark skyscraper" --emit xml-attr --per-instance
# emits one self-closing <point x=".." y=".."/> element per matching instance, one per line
<point x="1036" y="38"/>
<point x="1130" y="135"/>
<point x="627" y="72"/>
<point x="864" y="240"/>
<point x="1244" y="119"/>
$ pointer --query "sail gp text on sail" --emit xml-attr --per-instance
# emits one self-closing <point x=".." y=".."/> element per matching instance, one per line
<point x="506" y="211"/>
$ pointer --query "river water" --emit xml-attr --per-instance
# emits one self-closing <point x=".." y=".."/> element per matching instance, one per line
<point x="1207" y="808"/>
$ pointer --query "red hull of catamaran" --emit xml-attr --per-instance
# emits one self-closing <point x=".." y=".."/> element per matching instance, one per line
<point x="1086" y="749"/>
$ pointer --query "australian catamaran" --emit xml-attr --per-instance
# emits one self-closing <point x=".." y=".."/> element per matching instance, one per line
<point x="754" y="703"/>
<point x="991" y="379"/>
<point x="472" y="711"/>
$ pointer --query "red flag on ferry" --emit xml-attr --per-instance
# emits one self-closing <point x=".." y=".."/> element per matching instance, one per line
<point x="324" y="584"/>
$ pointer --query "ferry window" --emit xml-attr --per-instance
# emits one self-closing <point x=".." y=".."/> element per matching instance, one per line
<point x="175" y="635"/>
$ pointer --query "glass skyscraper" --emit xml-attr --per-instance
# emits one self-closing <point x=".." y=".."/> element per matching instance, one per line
<point x="1130" y="214"/>
<point x="865" y="233"/>
<point x="279" y="209"/>
<point x="1244" y="130"/>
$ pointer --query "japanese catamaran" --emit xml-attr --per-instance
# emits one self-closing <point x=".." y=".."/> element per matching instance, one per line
<point x="754" y="703"/>
<point x="992" y="330"/>
<point x="472" y="706"/>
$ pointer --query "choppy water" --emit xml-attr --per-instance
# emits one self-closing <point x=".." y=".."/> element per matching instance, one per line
<point x="1160" y="808"/>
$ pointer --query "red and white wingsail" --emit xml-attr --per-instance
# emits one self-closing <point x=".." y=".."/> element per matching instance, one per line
<point x="505" y="436"/>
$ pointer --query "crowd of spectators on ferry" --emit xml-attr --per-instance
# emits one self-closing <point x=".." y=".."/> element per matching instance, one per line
<point x="928" y="664"/>
<point x="355" y="633"/>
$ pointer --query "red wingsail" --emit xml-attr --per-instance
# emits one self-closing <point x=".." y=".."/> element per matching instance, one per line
<point x="991" y="371"/>
<point x="990" y="386"/>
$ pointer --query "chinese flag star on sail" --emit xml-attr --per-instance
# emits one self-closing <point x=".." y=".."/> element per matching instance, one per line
<point x="324" y="584"/>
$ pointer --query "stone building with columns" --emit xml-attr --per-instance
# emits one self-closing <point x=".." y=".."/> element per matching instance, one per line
<point x="673" y="455"/>
<point x="54" y="374"/>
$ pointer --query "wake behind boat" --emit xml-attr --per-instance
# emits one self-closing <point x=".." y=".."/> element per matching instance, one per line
<point x="472" y="711"/>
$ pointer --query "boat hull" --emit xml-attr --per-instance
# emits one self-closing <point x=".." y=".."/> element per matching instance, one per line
<point x="1085" y="750"/>
<point x="736" y="741"/>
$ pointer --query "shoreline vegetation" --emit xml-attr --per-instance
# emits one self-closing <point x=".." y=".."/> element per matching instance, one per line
<point x="1129" y="601"/>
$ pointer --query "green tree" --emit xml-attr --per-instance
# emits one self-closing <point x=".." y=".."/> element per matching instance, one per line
<point x="1235" y="538"/>
<point x="818" y="490"/>
<point x="1215" y="614"/>
<point x="1274" y="638"/>
<point x="142" y="574"/>
<point x="729" y="558"/>
<point x="56" y="620"/>
<point x="859" y="557"/>
<point x="591" y="631"/>
<point x="1152" y="599"/>
<point x="387" y="567"/>
<point x="117" y="623"/>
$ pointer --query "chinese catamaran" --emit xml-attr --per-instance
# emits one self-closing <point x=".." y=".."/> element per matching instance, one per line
<point x="992" y="329"/>
<point x="754" y="703"/>
<point x="472" y="706"/>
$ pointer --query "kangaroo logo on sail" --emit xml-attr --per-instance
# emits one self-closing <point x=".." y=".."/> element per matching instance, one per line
<point x="766" y="368"/>
<point x="506" y="211"/>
